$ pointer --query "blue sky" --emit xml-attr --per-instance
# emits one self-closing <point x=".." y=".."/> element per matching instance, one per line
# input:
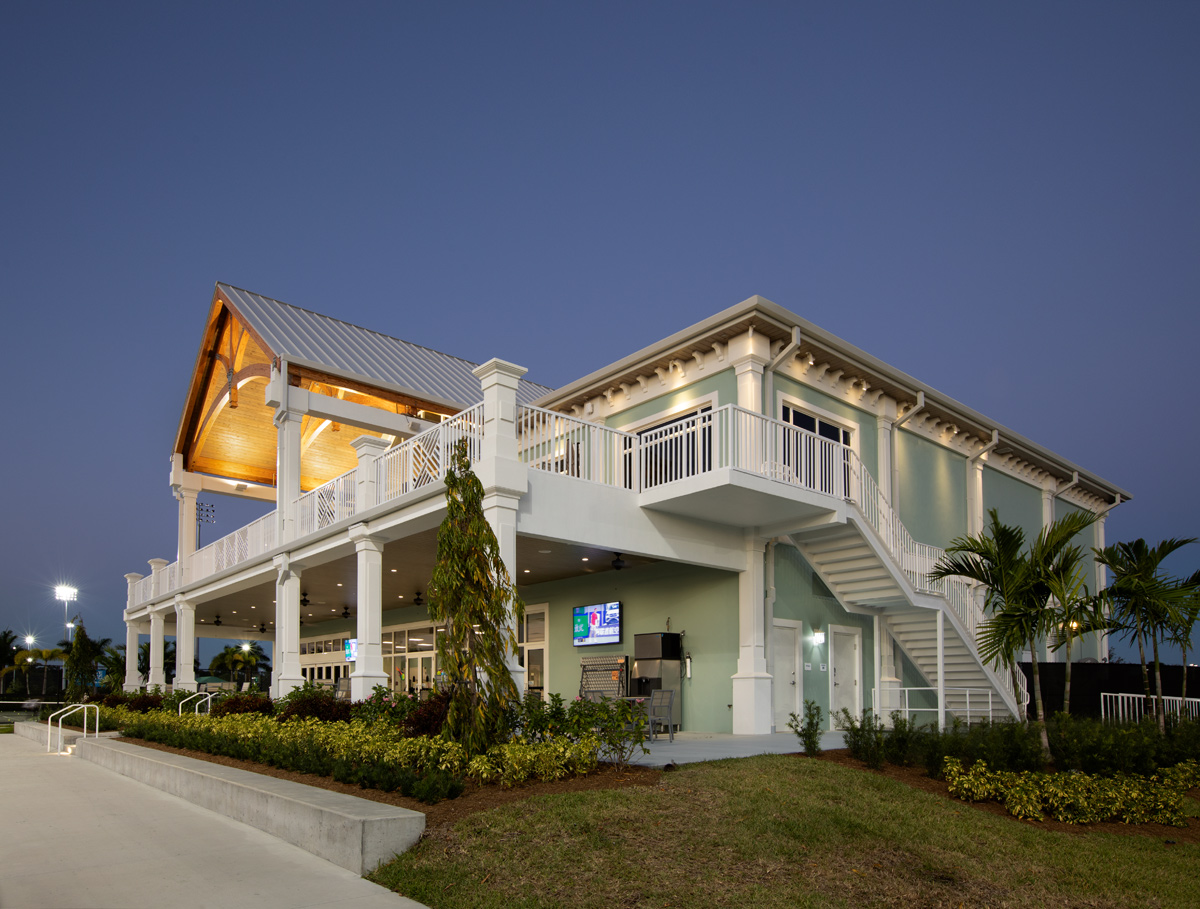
<point x="1000" y="199"/>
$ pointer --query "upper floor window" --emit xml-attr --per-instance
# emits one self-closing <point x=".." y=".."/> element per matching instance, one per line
<point x="814" y="423"/>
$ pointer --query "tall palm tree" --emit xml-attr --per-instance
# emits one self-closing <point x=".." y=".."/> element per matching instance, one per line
<point x="1145" y="601"/>
<point x="32" y="657"/>
<point x="1017" y="589"/>
<point x="112" y="659"/>
<point x="1073" y="609"/>
<point x="8" y="640"/>
<point x="1181" y="632"/>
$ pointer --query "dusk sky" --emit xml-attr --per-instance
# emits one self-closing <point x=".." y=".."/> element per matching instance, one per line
<point x="1001" y="199"/>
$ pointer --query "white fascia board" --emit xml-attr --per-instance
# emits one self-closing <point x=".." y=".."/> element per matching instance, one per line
<point x="354" y="414"/>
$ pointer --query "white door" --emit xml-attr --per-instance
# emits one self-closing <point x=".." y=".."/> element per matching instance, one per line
<point x="844" y="671"/>
<point x="785" y="649"/>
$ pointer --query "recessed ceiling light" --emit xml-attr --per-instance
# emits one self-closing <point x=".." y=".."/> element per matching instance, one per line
<point x="339" y="584"/>
<point x="235" y="612"/>
<point x="527" y="571"/>
<point x="585" y="558"/>
<point x="401" y="597"/>
<point x="310" y="615"/>
<point x="253" y="607"/>
<point x="393" y="571"/>
<point x="544" y="551"/>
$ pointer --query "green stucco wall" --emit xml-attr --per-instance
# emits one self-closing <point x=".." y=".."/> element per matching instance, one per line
<point x="800" y="596"/>
<point x="701" y="602"/>
<point x="932" y="491"/>
<point x="868" y="430"/>
<point x="724" y="383"/>
<point x="1018" y="503"/>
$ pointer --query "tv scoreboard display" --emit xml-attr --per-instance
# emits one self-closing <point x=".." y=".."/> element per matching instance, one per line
<point x="598" y="624"/>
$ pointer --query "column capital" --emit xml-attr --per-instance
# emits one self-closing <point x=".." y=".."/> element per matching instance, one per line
<point x="369" y="445"/>
<point x="363" y="540"/>
<point x="499" y="372"/>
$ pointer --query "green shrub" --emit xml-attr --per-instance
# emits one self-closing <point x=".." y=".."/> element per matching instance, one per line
<point x="902" y="742"/>
<point x="430" y="716"/>
<point x="863" y="737"/>
<point x="243" y="703"/>
<point x="1075" y="797"/>
<point x="809" y="729"/>
<point x="535" y="720"/>
<point x="385" y="706"/>
<point x="143" y="702"/>
<point x="437" y="785"/>
<point x="312" y="701"/>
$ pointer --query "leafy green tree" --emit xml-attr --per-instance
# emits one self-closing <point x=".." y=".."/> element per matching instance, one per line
<point x="82" y="657"/>
<point x="472" y="595"/>
<point x="1145" y="601"/>
<point x="1073" y="610"/>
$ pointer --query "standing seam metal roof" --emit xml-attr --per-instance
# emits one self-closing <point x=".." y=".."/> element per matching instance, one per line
<point x="301" y="335"/>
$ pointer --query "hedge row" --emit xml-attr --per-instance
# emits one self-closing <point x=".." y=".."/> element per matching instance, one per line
<point x="370" y="755"/>
<point x="1075" y="797"/>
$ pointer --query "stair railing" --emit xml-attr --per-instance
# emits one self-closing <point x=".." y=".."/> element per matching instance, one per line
<point x="63" y="714"/>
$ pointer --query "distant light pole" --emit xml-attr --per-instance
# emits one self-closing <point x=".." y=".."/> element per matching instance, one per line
<point x="206" y="513"/>
<point x="67" y="595"/>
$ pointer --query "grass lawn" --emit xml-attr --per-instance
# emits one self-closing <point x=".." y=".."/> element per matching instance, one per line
<point x="780" y="831"/>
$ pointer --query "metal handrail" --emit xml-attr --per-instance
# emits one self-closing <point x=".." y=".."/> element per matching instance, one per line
<point x="208" y="698"/>
<point x="63" y="714"/>
<point x="877" y="695"/>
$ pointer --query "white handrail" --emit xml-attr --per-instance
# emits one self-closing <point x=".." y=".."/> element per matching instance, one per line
<point x="63" y="714"/>
<point x="905" y="707"/>
<point x="1132" y="708"/>
<point x="208" y="698"/>
<point x="422" y="460"/>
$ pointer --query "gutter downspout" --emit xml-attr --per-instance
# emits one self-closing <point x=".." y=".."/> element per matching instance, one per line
<point x="896" y="467"/>
<point x="989" y="446"/>
<point x="769" y="379"/>
<point x="1073" y="482"/>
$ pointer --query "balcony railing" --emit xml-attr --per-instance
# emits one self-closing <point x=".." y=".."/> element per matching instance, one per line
<point x="556" y="443"/>
<point x="422" y="459"/>
<point x="327" y="504"/>
<point x="245" y="543"/>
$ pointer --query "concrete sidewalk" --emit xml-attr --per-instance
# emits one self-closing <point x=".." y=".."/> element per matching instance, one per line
<point x="693" y="747"/>
<point x="77" y="835"/>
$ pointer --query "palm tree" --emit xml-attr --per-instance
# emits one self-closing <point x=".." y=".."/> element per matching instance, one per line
<point x="112" y="659"/>
<point x="8" y="640"/>
<point x="1180" y="632"/>
<point x="168" y="659"/>
<point x="1145" y="601"/>
<point x="32" y="657"/>
<point x="1073" y="609"/>
<point x="1017" y="588"/>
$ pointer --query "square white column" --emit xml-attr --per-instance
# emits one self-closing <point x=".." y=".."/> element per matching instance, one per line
<point x="157" y="677"/>
<point x="752" y="705"/>
<point x="287" y="628"/>
<point x="185" y="645"/>
<point x="368" y="665"/>
<point x="133" y="678"/>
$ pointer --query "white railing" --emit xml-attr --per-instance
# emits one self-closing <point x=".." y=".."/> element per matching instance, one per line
<point x="422" y="460"/>
<point x="1132" y="708"/>
<point x="243" y="544"/>
<point x="557" y="443"/>
<point x="143" y="590"/>
<point x="741" y="439"/>
<point x="327" y="504"/>
<point x="966" y="703"/>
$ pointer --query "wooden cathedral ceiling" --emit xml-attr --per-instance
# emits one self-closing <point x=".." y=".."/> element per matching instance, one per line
<point x="232" y="434"/>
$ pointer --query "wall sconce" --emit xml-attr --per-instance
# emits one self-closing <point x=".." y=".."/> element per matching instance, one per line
<point x="818" y="637"/>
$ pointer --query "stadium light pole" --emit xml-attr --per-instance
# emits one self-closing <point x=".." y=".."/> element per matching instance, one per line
<point x="67" y="595"/>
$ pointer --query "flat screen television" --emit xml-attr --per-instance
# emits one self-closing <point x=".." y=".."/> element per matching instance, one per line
<point x="598" y="624"/>
<point x="351" y="649"/>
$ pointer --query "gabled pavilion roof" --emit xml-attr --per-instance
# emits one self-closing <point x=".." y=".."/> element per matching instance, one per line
<point x="227" y="429"/>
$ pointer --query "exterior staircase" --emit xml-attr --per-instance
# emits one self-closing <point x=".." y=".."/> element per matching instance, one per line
<point x="871" y="564"/>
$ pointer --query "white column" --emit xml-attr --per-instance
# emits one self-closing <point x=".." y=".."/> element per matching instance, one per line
<point x="156" y="572"/>
<point x="287" y="628"/>
<point x="884" y="448"/>
<point x="1048" y="501"/>
<point x="752" y="706"/>
<point x="185" y="645"/>
<point x="749" y="372"/>
<point x="133" y="678"/>
<point x="975" y="496"/>
<point x="504" y="478"/>
<point x="187" y="529"/>
<point x="368" y="665"/>
<point x="877" y="697"/>
<point x="941" y="668"/>
<point x="368" y="449"/>
<point x="287" y="472"/>
<point x="157" y="677"/>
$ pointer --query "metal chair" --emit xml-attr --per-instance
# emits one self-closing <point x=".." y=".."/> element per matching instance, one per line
<point x="658" y="712"/>
<point x="341" y="690"/>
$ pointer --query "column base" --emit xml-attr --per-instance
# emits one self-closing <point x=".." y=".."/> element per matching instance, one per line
<point x="286" y="684"/>
<point x="361" y="684"/>
<point x="752" y="704"/>
<point x="181" y="685"/>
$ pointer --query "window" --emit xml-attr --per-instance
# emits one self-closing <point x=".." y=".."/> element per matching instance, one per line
<point x="814" y="463"/>
<point x="678" y="448"/>
<point x="826" y="429"/>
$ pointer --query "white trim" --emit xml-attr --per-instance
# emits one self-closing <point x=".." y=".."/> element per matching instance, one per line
<point x="544" y="645"/>
<point x="799" y="694"/>
<point x="830" y="631"/>
<point x="663" y="416"/>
